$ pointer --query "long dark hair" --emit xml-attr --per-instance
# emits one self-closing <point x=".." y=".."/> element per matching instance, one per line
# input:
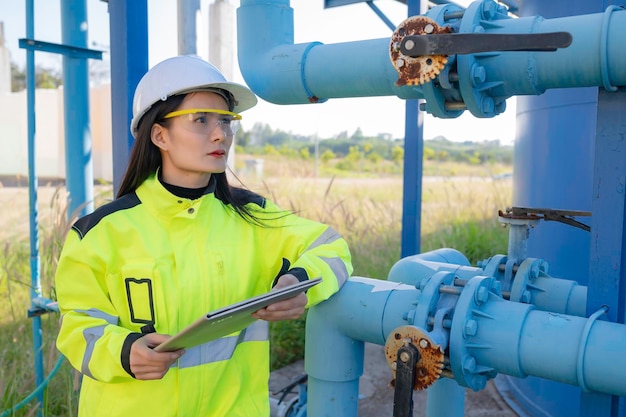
<point x="145" y="159"/>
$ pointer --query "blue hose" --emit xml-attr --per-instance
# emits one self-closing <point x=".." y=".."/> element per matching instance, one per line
<point x="37" y="390"/>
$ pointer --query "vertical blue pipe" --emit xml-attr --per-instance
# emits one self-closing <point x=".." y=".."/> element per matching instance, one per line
<point x="35" y="289"/>
<point x="446" y="398"/>
<point x="78" y="158"/>
<point x="128" y="21"/>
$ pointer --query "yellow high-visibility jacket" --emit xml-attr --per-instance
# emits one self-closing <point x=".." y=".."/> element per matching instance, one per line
<point x="153" y="261"/>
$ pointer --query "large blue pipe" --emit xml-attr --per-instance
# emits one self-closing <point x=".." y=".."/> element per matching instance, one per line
<point x="78" y="147"/>
<point x="282" y="72"/>
<point x="555" y="145"/>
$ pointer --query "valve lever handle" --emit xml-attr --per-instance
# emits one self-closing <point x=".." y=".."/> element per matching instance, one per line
<point x="471" y="43"/>
<point x="407" y="358"/>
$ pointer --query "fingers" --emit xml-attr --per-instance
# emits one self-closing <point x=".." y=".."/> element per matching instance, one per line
<point x="286" y="280"/>
<point x="289" y="309"/>
<point x="145" y="363"/>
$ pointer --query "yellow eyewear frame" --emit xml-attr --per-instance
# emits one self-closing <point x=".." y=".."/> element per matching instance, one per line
<point x="236" y="116"/>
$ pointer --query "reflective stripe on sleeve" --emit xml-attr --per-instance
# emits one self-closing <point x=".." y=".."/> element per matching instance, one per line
<point x="223" y="349"/>
<point x="329" y="235"/>
<point x="339" y="269"/>
<point x="99" y="314"/>
<point x="91" y="335"/>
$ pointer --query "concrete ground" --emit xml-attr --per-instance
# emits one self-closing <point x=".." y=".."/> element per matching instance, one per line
<point x="377" y="396"/>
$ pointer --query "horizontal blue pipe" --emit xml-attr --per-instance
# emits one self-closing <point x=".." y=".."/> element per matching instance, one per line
<point x="282" y="72"/>
<point x="413" y="269"/>
<point x="517" y="340"/>
<point x="548" y="294"/>
<point x="597" y="44"/>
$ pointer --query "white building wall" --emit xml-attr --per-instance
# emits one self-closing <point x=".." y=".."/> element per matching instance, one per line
<point x="49" y="133"/>
<point x="5" y="64"/>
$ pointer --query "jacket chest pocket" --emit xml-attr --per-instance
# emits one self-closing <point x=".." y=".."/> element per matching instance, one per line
<point x="140" y="297"/>
<point x="136" y="295"/>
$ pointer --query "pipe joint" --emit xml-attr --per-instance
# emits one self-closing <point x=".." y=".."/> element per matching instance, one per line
<point x="604" y="46"/>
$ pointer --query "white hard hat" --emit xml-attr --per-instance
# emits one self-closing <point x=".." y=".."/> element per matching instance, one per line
<point x="183" y="74"/>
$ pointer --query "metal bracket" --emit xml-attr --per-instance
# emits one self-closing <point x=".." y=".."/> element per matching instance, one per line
<point x="40" y="306"/>
<point x="562" y="216"/>
<point x="55" y="48"/>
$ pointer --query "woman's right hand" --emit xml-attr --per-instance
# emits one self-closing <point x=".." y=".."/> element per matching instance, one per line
<point x="145" y="363"/>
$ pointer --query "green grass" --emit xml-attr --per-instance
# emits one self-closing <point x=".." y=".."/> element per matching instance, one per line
<point x="461" y="214"/>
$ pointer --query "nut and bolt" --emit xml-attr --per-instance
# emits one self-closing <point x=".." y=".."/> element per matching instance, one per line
<point x="482" y="294"/>
<point x="489" y="105"/>
<point x="470" y="328"/>
<point x="469" y="364"/>
<point x="479" y="75"/>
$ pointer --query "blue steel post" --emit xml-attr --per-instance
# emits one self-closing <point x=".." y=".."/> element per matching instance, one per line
<point x="128" y="20"/>
<point x="35" y="289"/>
<point x="412" y="183"/>
<point x="78" y="155"/>
<point x="607" y="280"/>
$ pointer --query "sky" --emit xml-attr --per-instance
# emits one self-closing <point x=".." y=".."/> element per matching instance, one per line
<point x="373" y="115"/>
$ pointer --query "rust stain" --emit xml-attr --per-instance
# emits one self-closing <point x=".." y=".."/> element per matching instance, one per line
<point x="421" y="69"/>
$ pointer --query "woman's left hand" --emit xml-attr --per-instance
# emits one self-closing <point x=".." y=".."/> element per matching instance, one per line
<point x="289" y="309"/>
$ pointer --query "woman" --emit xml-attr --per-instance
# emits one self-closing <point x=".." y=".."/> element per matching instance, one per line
<point x="178" y="242"/>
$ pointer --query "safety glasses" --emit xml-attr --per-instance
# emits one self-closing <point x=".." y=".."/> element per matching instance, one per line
<point x="203" y="121"/>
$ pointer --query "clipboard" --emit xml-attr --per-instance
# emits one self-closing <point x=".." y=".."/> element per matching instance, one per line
<point x="230" y="319"/>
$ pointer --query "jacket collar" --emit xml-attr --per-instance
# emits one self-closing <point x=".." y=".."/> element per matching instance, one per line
<point x="164" y="203"/>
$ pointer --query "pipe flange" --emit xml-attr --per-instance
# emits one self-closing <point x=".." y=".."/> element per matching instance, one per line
<point x="421" y="69"/>
<point x="429" y="297"/>
<point x="463" y="333"/>
<point x="443" y="99"/>
<point x="492" y="269"/>
<point x="474" y="84"/>
<point x="527" y="272"/>
<point x="430" y="363"/>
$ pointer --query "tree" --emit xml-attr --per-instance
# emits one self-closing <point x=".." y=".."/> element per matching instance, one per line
<point x="397" y="154"/>
<point x="327" y="156"/>
<point x="44" y="78"/>
<point x="357" y="135"/>
<point x="429" y="153"/>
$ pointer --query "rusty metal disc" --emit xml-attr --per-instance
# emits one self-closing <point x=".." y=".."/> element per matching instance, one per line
<point x="430" y="364"/>
<point x="421" y="69"/>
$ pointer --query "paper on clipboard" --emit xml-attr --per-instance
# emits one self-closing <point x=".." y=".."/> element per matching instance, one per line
<point x="230" y="319"/>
